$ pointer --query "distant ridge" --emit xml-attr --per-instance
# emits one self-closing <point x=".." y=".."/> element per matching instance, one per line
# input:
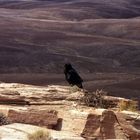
<point x="96" y="35"/>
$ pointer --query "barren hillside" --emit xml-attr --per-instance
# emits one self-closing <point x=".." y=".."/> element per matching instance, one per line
<point x="39" y="36"/>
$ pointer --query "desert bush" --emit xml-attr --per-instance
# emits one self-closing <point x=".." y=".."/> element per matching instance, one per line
<point x="95" y="99"/>
<point x="39" y="135"/>
<point x="129" y="105"/>
<point x="3" y="119"/>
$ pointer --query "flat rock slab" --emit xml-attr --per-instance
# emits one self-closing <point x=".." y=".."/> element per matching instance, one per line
<point x="130" y="124"/>
<point x="64" y="135"/>
<point x="21" y="94"/>
<point x="18" y="131"/>
<point x="47" y="118"/>
<point x="12" y="97"/>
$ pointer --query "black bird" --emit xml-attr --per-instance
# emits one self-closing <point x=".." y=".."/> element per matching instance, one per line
<point x="72" y="76"/>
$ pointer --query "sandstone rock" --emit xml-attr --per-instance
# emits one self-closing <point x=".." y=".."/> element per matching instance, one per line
<point x="23" y="132"/>
<point x="92" y="127"/>
<point x="26" y="94"/>
<point x="103" y="126"/>
<point x="64" y="135"/>
<point x="74" y="121"/>
<point x="12" y="97"/>
<point x="71" y="118"/>
<point x="34" y="117"/>
<point x="110" y="128"/>
<point x="129" y="125"/>
<point x="75" y="96"/>
<point x="21" y="94"/>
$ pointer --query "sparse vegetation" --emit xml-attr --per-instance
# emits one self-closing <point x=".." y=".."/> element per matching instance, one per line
<point x="39" y="135"/>
<point x="98" y="99"/>
<point x="128" y="105"/>
<point x="74" y="89"/>
<point x="3" y="119"/>
<point x="95" y="99"/>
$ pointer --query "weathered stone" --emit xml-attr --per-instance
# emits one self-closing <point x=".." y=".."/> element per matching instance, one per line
<point x="110" y="128"/>
<point x="12" y="97"/>
<point x="34" y="117"/>
<point x="103" y="126"/>
<point x="23" y="132"/>
<point x="64" y="135"/>
<point x="21" y="94"/>
<point x="92" y="127"/>
<point x="73" y="119"/>
<point x="128" y="125"/>
<point x="25" y="94"/>
<point x="75" y="96"/>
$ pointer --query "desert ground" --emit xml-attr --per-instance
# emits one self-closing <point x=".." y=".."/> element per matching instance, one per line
<point x="100" y="38"/>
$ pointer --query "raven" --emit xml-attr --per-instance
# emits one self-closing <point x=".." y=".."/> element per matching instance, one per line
<point x="72" y="76"/>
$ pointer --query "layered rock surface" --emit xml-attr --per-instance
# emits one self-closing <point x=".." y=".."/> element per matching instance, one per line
<point x="18" y="131"/>
<point x="59" y="109"/>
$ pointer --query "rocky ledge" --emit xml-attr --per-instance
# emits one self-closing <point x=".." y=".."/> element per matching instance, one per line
<point x="58" y="113"/>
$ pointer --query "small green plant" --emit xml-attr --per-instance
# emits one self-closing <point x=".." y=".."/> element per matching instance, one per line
<point x="39" y="135"/>
<point x="128" y="105"/>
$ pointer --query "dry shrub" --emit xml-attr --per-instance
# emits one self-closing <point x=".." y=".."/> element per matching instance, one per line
<point x="129" y="105"/>
<point x="95" y="99"/>
<point x="3" y="119"/>
<point x="39" y="135"/>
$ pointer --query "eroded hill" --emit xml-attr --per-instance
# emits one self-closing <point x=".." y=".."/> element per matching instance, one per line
<point x="100" y="38"/>
<point x="40" y="36"/>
